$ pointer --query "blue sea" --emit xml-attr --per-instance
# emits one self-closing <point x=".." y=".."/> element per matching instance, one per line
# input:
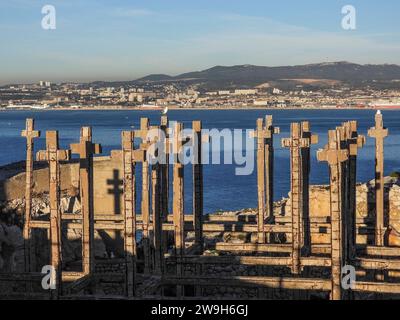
<point x="223" y="190"/>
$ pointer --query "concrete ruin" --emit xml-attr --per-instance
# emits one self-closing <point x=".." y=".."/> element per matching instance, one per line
<point x="81" y="217"/>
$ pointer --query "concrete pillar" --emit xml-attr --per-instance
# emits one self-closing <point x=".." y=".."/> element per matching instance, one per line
<point x="178" y="201"/>
<point x="270" y="131"/>
<point x="354" y="142"/>
<point x="306" y="166"/>
<point x="294" y="144"/>
<point x="129" y="211"/>
<point x="145" y="204"/>
<point x="164" y="168"/>
<point x="261" y="181"/>
<point x="129" y="157"/>
<point x="379" y="132"/>
<point x="54" y="155"/>
<point x="335" y="156"/>
<point x="30" y="134"/>
<point x="86" y="149"/>
<point x="198" y="186"/>
<point x="265" y="156"/>
<point x="156" y="215"/>
<point x="299" y="144"/>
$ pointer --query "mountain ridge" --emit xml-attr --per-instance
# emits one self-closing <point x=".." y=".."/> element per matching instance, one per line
<point x="252" y="75"/>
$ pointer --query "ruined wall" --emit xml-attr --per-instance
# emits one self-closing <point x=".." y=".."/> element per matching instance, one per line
<point x="107" y="186"/>
<point x="365" y="210"/>
<point x="107" y="178"/>
<point x="394" y="207"/>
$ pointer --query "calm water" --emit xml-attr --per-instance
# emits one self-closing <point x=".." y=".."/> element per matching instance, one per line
<point x="222" y="188"/>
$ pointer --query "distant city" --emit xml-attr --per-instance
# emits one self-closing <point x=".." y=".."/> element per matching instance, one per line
<point x="310" y="86"/>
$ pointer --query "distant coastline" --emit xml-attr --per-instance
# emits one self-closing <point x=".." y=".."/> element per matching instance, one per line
<point x="111" y="108"/>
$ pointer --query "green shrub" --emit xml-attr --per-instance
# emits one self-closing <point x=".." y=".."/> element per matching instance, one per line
<point x="395" y="174"/>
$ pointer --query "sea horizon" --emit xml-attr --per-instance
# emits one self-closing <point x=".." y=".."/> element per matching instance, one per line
<point x="221" y="185"/>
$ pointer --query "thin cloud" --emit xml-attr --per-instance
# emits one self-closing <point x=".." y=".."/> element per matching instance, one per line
<point x="131" y="13"/>
<point x="265" y="22"/>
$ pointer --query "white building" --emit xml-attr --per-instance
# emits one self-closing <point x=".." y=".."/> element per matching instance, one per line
<point x="260" y="102"/>
<point x="245" y="92"/>
<point x="131" y="97"/>
<point x="276" y="91"/>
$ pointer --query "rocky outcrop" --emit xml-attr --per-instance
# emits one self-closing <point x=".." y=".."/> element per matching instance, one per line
<point x="12" y="242"/>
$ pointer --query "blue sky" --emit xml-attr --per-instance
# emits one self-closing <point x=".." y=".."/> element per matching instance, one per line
<point x="121" y="40"/>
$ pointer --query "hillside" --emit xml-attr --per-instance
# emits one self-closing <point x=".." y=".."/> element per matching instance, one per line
<point x="251" y="75"/>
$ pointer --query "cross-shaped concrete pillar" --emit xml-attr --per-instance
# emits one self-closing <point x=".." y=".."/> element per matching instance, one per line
<point x="30" y="134"/>
<point x="129" y="157"/>
<point x="53" y="155"/>
<point x="86" y="149"/>
<point x="178" y="187"/>
<point x="145" y="204"/>
<point x="354" y="141"/>
<point x="154" y="143"/>
<point x="264" y="135"/>
<point x="178" y="199"/>
<point x="156" y="202"/>
<point x="379" y="132"/>
<point x="295" y="143"/>
<point x="270" y="131"/>
<point x="335" y="156"/>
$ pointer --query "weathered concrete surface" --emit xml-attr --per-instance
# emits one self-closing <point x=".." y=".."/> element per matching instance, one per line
<point x="107" y="176"/>
<point x="365" y="208"/>
<point x="11" y="248"/>
<point x="108" y="193"/>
